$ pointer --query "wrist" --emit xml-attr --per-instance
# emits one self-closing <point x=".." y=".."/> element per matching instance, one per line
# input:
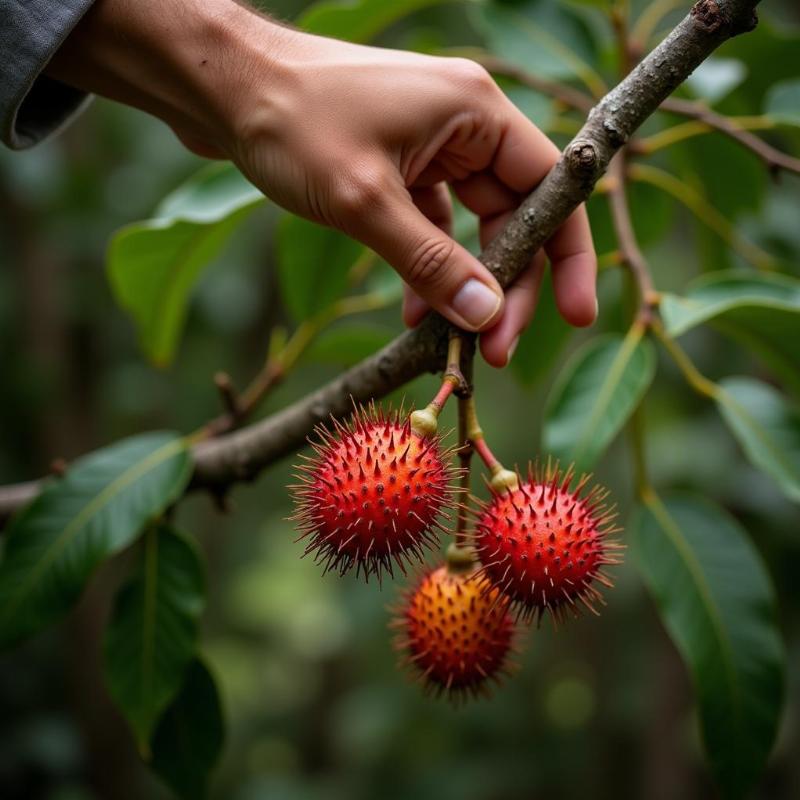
<point x="191" y="63"/>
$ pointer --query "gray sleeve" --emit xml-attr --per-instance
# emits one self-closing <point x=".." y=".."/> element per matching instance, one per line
<point x="33" y="105"/>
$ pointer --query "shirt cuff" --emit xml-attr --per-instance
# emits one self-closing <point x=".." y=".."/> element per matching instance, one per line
<point x="32" y="105"/>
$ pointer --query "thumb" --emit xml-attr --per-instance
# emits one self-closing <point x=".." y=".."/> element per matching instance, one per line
<point x="435" y="266"/>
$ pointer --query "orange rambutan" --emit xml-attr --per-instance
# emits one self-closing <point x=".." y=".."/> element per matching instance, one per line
<point x="373" y="494"/>
<point x="455" y="632"/>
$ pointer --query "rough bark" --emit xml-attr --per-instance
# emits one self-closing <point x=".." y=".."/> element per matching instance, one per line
<point x="242" y="454"/>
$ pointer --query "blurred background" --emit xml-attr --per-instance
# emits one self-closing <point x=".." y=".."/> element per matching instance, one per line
<point x="315" y="705"/>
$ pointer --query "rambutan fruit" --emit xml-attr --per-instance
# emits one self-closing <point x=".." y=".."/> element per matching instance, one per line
<point x="544" y="544"/>
<point x="373" y="495"/>
<point x="455" y="632"/>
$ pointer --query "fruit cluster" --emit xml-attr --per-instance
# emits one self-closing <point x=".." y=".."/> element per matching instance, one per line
<point x="374" y="497"/>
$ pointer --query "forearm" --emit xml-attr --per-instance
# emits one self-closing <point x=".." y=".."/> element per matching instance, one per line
<point x="188" y="62"/>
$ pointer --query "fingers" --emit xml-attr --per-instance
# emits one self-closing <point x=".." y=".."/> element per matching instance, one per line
<point x="574" y="266"/>
<point x="524" y="156"/>
<point x="497" y="344"/>
<point x="414" y="307"/>
<point x="435" y="203"/>
<point x="438" y="269"/>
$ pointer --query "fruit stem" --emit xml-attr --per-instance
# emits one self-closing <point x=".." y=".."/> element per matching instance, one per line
<point x="425" y="421"/>
<point x="460" y="558"/>
<point x="501" y="478"/>
<point x="465" y="451"/>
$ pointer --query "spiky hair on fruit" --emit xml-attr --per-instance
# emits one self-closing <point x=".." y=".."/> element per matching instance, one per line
<point x="373" y="495"/>
<point x="544" y="543"/>
<point x="455" y="633"/>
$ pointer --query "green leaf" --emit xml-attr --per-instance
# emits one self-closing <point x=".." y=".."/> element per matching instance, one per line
<point x="717" y="602"/>
<point x="313" y="263"/>
<point x="597" y="391"/>
<point x="152" y="635"/>
<point x="783" y="102"/>
<point x="716" y="77"/>
<point x="153" y="265"/>
<point x="188" y="740"/>
<point x="544" y="38"/>
<point x="731" y="178"/>
<point x="767" y="427"/>
<point x="348" y="344"/>
<point x="761" y="310"/>
<point x="99" y="507"/>
<point x="358" y="20"/>
<point x="542" y="341"/>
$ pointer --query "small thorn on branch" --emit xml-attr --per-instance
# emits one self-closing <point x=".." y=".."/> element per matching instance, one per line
<point x="229" y="396"/>
<point x="58" y="467"/>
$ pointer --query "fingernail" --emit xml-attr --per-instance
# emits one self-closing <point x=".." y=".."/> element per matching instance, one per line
<point x="512" y="347"/>
<point x="476" y="303"/>
<point x="596" y="308"/>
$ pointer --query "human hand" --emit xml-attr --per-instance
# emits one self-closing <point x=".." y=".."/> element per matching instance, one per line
<point x="363" y="139"/>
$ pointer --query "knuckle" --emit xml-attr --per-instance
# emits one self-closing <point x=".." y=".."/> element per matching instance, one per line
<point x="472" y="76"/>
<point x="360" y="192"/>
<point x="428" y="262"/>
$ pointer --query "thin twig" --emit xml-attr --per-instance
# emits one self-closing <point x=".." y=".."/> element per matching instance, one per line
<point x="465" y="451"/>
<point x="645" y="26"/>
<point x="774" y="160"/>
<point x="693" y="376"/>
<point x="707" y="119"/>
<point x="629" y="249"/>
<point x="704" y="211"/>
<point x="686" y="130"/>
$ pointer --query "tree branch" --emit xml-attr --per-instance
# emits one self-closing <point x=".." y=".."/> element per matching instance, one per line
<point x="632" y="256"/>
<point x="774" y="160"/>
<point x="242" y="454"/>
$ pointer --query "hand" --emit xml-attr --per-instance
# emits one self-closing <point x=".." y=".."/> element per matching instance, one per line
<point x="360" y="138"/>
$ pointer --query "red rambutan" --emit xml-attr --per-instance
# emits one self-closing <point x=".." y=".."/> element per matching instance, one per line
<point x="373" y="494"/>
<point x="544" y="544"/>
<point x="456" y="633"/>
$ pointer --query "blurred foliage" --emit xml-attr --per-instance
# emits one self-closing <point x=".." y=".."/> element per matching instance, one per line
<point x="314" y="707"/>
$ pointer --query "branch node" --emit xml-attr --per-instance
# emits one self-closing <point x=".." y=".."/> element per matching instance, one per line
<point x="582" y="159"/>
<point x="708" y="15"/>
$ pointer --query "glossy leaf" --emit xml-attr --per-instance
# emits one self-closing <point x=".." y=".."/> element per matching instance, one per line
<point x="543" y="340"/>
<point x="98" y="508"/>
<point x="545" y="38"/>
<point x="348" y="344"/>
<point x="358" y="20"/>
<point x="313" y="262"/>
<point x="783" y="102"/>
<point x="188" y="740"/>
<point x="153" y="265"/>
<point x="152" y="635"/>
<point x="767" y="426"/>
<point x="716" y="77"/>
<point x="717" y="602"/>
<point x="599" y="388"/>
<point x="761" y="310"/>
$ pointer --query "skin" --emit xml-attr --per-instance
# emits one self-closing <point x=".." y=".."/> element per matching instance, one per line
<point x="371" y="141"/>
